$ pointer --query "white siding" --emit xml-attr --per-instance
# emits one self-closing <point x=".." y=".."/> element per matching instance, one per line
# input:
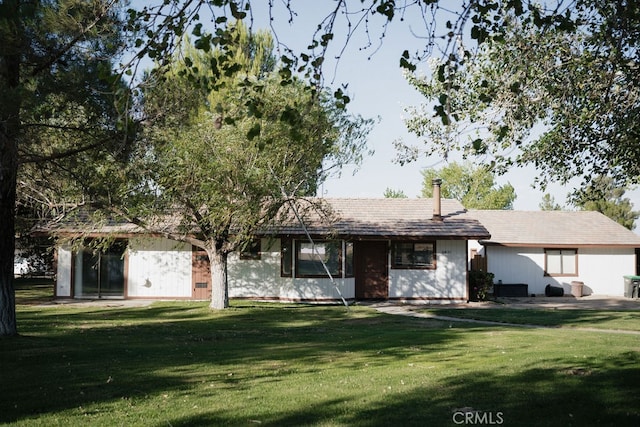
<point x="63" y="273"/>
<point x="601" y="269"/>
<point x="261" y="279"/>
<point x="518" y="265"/>
<point x="447" y="281"/>
<point x="159" y="268"/>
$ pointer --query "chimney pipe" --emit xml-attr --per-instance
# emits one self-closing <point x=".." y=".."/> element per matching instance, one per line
<point x="437" y="210"/>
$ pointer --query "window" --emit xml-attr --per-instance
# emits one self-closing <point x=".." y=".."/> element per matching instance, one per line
<point x="286" y="257"/>
<point x="348" y="259"/>
<point x="309" y="256"/>
<point x="561" y="262"/>
<point x="418" y="255"/>
<point x="251" y="250"/>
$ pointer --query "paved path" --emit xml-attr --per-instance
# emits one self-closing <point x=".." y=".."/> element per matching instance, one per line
<point x="409" y="310"/>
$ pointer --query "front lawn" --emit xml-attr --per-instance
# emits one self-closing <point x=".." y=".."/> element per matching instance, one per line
<point x="179" y="364"/>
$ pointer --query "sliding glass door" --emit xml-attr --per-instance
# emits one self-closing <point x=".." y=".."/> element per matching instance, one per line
<point x="100" y="274"/>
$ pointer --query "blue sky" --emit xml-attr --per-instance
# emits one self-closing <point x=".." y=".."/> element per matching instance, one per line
<point x="378" y="88"/>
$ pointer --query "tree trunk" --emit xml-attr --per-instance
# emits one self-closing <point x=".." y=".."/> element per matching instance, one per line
<point x="219" y="285"/>
<point x="9" y="134"/>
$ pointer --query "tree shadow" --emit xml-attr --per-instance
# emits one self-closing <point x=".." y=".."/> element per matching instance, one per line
<point x="550" y="397"/>
<point x="70" y="358"/>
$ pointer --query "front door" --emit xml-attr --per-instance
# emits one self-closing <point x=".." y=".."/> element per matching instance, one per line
<point x="371" y="260"/>
<point x="201" y="275"/>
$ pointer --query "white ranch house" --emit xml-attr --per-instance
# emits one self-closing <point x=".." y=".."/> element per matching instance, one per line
<point x="395" y="249"/>
<point x="375" y="249"/>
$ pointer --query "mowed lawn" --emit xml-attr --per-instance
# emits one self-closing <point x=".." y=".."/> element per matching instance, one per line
<point x="179" y="364"/>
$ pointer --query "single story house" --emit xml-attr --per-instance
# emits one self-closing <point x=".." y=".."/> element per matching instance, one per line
<point x="396" y="249"/>
<point x="556" y="248"/>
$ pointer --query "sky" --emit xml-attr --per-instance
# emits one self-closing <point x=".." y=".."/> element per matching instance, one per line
<point x="378" y="89"/>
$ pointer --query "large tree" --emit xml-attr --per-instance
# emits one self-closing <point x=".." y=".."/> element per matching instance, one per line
<point x="224" y="169"/>
<point x="59" y="114"/>
<point x="473" y="186"/>
<point x="565" y="100"/>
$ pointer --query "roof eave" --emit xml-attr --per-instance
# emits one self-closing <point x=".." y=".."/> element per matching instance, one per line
<point x="558" y="245"/>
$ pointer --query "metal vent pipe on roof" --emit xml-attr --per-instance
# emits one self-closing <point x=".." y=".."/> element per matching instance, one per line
<point x="437" y="209"/>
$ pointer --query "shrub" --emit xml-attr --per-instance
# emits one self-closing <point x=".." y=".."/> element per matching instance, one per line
<point x="480" y="283"/>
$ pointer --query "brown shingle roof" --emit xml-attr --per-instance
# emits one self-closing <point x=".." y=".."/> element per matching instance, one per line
<point x="344" y="217"/>
<point x="388" y="218"/>
<point x="554" y="229"/>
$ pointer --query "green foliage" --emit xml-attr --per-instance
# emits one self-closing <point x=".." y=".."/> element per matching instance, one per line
<point x="224" y="158"/>
<point x="563" y="99"/>
<point x="156" y="30"/>
<point x="480" y="284"/>
<point x="548" y="203"/>
<point x="66" y="129"/>
<point x="474" y="187"/>
<point x="47" y="46"/>
<point x="604" y="196"/>
<point x="390" y="193"/>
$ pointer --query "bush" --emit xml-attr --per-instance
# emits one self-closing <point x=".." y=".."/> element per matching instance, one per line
<point x="480" y="283"/>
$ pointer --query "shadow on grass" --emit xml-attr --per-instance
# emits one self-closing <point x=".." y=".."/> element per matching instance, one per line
<point x="551" y="397"/>
<point x="33" y="290"/>
<point x="68" y="358"/>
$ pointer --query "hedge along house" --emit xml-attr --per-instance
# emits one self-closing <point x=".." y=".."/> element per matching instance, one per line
<point x="402" y="249"/>
<point x="556" y="248"/>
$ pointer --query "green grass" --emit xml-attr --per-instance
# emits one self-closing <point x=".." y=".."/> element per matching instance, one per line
<point x="181" y="364"/>
<point x="599" y="319"/>
<point x="31" y="290"/>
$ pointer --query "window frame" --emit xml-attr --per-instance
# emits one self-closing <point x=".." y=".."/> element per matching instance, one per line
<point x="561" y="255"/>
<point x="399" y="266"/>
<point x="300" y="245"/>
<point x="348" y="259"/>
<point x="286" y="257"/>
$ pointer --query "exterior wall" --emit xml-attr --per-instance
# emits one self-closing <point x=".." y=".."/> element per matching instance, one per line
<point x="261" y="279"/>
<point x="600" y="269"/>
<point x="447" y="282"/>
<point x="159" y="268"/>
<point x="162" y="268"/>
<point x="63" y="273"/>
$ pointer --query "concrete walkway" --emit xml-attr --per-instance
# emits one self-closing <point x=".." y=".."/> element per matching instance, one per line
<point x="561" y="303"/>
<point x="591" y="302"/>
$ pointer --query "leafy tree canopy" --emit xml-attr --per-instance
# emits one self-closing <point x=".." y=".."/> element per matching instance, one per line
<point x="225" y="159"/>
<point x="43" y="40"/>
<point x="63" y="114"/>
<point x="565" y="100"/>
<point x="474" y="187"/>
